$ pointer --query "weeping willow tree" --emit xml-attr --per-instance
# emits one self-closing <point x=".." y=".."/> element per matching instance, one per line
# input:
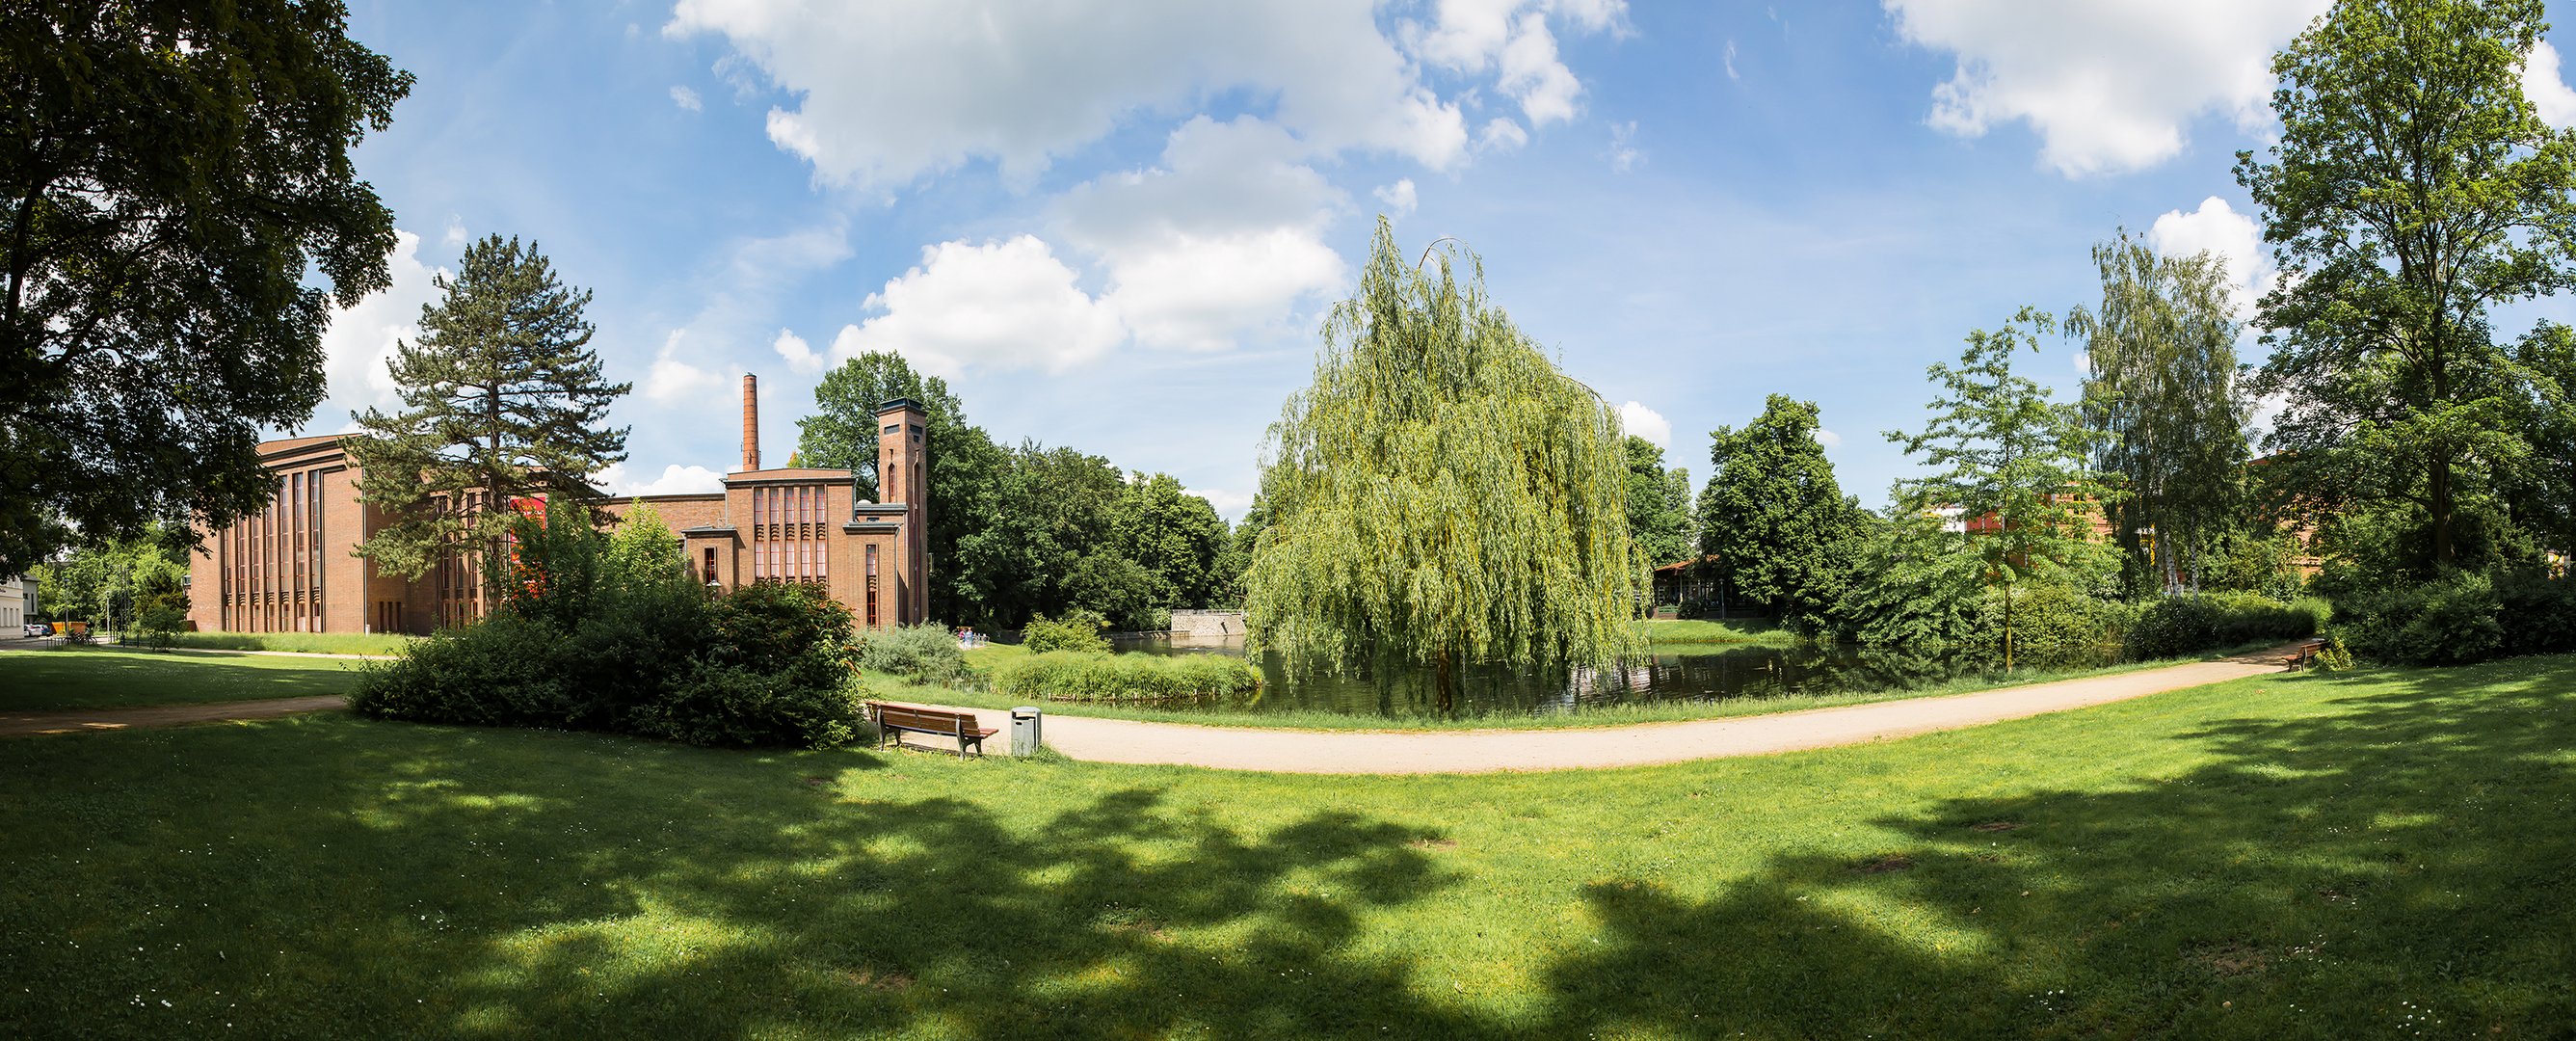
<point x="1442" y="496"/>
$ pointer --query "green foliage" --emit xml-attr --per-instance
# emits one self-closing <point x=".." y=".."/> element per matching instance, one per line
<point x="502" y="398"/>
<point x="1784" y="535"/>
<point x="2414" y="188"/>
<point x="2449" y="620"/>
<point x="580" y="642"/>
<point x="101" y="581"/>
<point x="1917" y="586"/>
<point x="1174" y="537"/>
<point x="643" y="550"/>
<point x="923" y="653"/>
<point x="1152" y="678"/>
<point x="2175" y="626"/>
<point x="842" y="432"/>
<point x="1442" y="494"/>
<point x="2162" y="392"/>
<point x="167" y="211"/>
<point x="2012" y="463"/>
<point x="1659" y="514"/>
<point x="2052" y="626"/>
<point x="160" y="608"/>
<point x="1077" y="631"/>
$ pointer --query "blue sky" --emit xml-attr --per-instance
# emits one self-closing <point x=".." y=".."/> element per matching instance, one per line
<point x="1115" y="225"/>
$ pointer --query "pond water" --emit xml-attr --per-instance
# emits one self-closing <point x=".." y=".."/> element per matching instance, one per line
<point x="1674" y="672"/>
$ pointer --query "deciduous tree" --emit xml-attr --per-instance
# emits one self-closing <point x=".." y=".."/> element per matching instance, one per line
<point x="1441" y="494"/>
<point x="1659" y="512"/>
<point x="178" y="213"/>
<point x="1784" y="536"/>
<point x="2013" y="464"/>
<point x="2163" y="395"/>
<point x="2414" y="188"/>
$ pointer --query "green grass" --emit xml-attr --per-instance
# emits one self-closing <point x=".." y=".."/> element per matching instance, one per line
<point x="70" y="678"/>
<point x="307" y="643"/>
<point x="893" y="689"/>
<point x="2320" y="856"/>
<point x="1712" y="630"/>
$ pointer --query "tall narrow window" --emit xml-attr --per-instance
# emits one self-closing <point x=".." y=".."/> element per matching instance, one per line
<point x="872" y="586"/>
<point x="711" y="565"/>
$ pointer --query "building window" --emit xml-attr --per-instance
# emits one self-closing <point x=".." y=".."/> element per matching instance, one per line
<point x="711" y="565"/>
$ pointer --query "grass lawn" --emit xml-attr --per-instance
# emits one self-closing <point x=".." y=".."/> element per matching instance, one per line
<point x="309" y="643"/>
<point x="104" y="677"/>
<point x="1712" y="630"/>
<point x="2363" y="855"/>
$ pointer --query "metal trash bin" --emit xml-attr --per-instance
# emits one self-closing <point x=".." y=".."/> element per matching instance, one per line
<point x="1025" y="722"/>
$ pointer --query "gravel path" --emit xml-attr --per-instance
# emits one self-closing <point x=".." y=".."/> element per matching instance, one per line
<point x="14" y="724"/>
<point x="1578" y="748"/>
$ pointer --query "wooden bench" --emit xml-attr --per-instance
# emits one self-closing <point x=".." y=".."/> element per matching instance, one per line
<point x="2305" y="654"/>
<point x="893" y="720"/>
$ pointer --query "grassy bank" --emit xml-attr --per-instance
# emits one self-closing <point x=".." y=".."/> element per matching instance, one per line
<point x="2315" y="856"/>
<point x="305" y="643"/>
<point x="1712" y="630"/>
<point x="110" y="677"/>
<point x="1599" y="716"/>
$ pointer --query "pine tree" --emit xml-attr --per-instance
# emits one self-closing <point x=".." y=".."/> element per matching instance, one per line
<point x="502" y="399"/>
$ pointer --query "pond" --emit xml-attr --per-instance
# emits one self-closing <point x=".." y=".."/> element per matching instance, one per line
<point x="1674" y="672"/>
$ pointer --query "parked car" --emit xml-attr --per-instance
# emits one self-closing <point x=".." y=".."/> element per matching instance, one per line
<point x="38" y="629"/>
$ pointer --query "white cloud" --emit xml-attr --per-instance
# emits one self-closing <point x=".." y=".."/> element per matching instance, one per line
<point x="2108" y="86"/>
<point x="886" y="92"/>
<point x="1647" y="423"/>
<point x="1828" y="438"/>
<point x="454" y="236"/>
<point x="1624" y="154"/>
<point x="797" y="353"/>
<point x="1000" y="305"/>
<point x="2218" y="229"/>
<point x="2546" y="86"/>
<point x="1229" y="505"/>
<point x="672" y="380"/>
<point x="1222" y="240"/>
<point x="1512" y="38"/>
<point x="363" y="336"/>
<point x="1501" y="135"/>
<point x="1730" y="62"/>
<point x="1400" y="197"/>
<point x="687" y="99"/>
<point x="675" y="480"/>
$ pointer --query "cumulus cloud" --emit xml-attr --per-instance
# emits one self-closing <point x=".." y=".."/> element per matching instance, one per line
<point x="798" y="355"/>
<point x="673" y="380"/>
<point x="1624" y="154"/>
<point x="1222" y="239"/>
<point x="1647" y="423"/>
<point x="363" y="336"/>
<point x="1229" y="505"/>
<point x="886" y="92"/>
<point x="2546" y="86"/>
<point x="1400" y="198"/>
<point x="1828" y="438"/>
<point x="2233" y="237"/>
<point x="1512" y="38"/>
<point x="999" y="305"/>
<point x="675" y="480"/>
<point x="2108" y="87"/>
<point x="687" y="99"/>
<point x="1501" y="135"/>
<point x="454" y="236"/>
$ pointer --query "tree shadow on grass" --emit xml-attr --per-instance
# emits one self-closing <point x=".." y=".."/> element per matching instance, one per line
<point x="2401" y="868"/>
<point x="453" y="882"/>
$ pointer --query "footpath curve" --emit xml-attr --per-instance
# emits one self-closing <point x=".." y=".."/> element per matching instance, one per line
<point x="1104" y="740"/>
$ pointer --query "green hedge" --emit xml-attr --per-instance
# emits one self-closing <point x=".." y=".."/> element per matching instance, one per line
<point x="1081" y="676"/>
<point x="923" y="653"/>
<point x="2174" y="626"/>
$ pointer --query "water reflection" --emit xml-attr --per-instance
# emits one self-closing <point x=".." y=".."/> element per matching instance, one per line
<point x="1686" y="672"/>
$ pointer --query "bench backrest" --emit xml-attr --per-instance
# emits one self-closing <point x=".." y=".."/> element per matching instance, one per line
<point x="931" y="720"/>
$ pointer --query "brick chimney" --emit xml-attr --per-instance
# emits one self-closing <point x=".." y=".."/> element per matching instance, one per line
<point x="750" y="421"/>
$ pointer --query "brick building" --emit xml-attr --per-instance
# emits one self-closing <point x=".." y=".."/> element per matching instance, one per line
<point x="291" y="568"/>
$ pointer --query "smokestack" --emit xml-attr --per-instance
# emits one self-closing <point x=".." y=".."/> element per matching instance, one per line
<point x="750" y="421"/>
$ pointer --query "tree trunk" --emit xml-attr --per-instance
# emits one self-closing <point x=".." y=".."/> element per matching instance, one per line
<point x="2444" y="554"/>
<point x="2008" y="628"/>
<point x="1446" y="678"/>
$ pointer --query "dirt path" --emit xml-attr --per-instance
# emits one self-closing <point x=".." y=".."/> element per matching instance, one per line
<point x="13" y="724"/>
<point x="1576" y="748"/>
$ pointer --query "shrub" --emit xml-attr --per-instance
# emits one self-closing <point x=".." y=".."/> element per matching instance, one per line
<point x="730" y="706"/>
<point x="2191" y="623"/>
<point x="924" y="653"/>
<point x="1080" y="676"/>
<point x="2449" y="620"/>
<point x="2049" y="623"/>
<point x="502" y="671"/>
<point x="1078" y="630"/>
<point x="2538" y="612"/>
<point x="783" y="628"/>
